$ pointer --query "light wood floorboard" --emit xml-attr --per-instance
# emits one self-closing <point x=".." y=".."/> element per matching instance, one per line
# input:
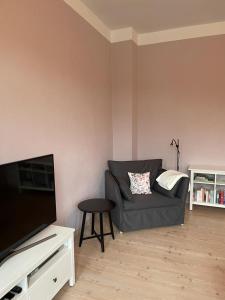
<point x="173" y="263"/>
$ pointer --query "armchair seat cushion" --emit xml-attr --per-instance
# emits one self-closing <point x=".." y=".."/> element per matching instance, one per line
<point x="154" y="200"/>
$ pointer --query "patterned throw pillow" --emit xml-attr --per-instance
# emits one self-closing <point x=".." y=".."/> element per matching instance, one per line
<point x="140" y="183"/>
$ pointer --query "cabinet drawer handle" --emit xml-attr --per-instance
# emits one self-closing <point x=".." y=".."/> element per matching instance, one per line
<point x="55" y="279"/>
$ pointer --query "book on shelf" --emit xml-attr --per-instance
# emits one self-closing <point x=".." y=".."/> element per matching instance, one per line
<point x="211" y="199"/>
<point x="199" y="196"/>
<point x="217" y="198"/>
<point x="220" y="199"/>
<point x="204" y="195"/>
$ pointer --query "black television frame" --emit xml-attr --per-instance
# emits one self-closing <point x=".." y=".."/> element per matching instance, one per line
<point x="12" y="250"/>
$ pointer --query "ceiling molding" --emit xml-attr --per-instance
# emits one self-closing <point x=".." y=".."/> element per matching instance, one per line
<point x="182" y="33"/>
<point x="124" y="34"/>
<point x="141" y="39"/>
<point x="90" y="17"/>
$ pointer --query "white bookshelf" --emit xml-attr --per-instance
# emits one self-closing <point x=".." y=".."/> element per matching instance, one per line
<point x="207" y="180"/>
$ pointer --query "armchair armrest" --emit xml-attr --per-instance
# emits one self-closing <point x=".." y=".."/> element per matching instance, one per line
<point x="112" y="190"/>
<point x="183" y="188"/>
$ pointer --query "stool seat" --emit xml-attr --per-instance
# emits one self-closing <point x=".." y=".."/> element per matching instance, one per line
<point x="96" y="205"/>
<point x="93" y="206"/>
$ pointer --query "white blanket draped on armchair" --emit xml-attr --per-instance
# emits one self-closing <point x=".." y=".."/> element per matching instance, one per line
<point x="169" y="178"/>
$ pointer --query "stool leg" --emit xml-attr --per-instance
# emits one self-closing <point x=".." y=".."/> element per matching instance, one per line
<point x="93" y="223"/>
<point x="101" y="232"/>
<point x="111" y="225"/>
<point x="82" y="229"/>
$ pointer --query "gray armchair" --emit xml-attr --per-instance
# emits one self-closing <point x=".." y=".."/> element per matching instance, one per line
<point x="133" y="212"/>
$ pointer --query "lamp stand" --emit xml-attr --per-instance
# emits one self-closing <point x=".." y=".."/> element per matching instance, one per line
<point x="177" y="144"/>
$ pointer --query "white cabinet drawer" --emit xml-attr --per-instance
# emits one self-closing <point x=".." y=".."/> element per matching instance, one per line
<point x="45" y="284"/>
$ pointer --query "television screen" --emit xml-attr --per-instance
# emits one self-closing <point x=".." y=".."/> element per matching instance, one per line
<point x="27" y="200"/>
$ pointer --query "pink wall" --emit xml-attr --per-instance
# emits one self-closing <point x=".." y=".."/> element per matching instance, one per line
<point x="57" y="77"/>
<point x="124" y="78"/>
<point x="55" y="96"/>
<point x="181" y="94"/>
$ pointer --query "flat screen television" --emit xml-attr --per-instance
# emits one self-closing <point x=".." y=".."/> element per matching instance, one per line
<point x="27" y="200"/>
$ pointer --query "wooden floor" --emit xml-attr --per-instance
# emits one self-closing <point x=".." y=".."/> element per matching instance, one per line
<point x="180" y="262"/>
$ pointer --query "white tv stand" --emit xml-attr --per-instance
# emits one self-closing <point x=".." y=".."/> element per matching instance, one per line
<point x="42" y="270"/>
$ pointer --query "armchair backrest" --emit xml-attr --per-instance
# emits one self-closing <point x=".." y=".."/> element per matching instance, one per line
<point x="120" y="169"/>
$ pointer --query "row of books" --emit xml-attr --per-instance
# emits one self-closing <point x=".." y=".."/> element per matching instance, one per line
<point x="204" y="195"/>
<point x="207" y="196"/>
<point x="220" y="197"/>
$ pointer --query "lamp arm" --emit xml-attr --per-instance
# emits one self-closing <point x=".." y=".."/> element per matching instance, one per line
<point x="173" y="141"/>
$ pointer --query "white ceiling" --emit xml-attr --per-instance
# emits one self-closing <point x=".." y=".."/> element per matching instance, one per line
<point x="155" y="15"/>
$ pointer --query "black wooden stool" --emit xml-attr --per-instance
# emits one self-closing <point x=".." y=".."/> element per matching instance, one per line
<point x="94" y="206"/>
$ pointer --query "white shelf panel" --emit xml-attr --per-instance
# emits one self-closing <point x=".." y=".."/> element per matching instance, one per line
<point x="207" y="169"/>
<point x="209" y="204"/>
<point x="204" y="182"/>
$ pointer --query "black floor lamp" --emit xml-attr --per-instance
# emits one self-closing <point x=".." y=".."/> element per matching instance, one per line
<point x="177" y="144"/>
